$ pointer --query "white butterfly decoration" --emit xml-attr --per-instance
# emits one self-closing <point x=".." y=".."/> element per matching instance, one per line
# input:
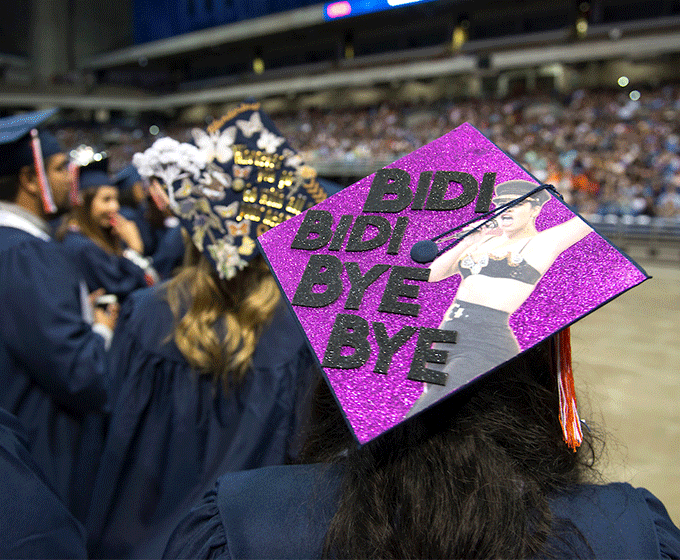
<point x="215" y="145"/>
<point x="269" y="141"/>
<point x="294" y="160"/>
<point x="251" y="126"/>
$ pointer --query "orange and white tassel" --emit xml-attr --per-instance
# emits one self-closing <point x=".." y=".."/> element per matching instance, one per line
<point x="45" y="192"/>
<point x="569" y="418"/>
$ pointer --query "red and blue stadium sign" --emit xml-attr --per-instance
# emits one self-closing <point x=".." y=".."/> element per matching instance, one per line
<point x="345" y="8"/>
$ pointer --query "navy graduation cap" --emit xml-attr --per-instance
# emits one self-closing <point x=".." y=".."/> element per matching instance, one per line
<point x="21" y="144"/>
<point x="126" y="178"/>
<point x="94" y="174"/>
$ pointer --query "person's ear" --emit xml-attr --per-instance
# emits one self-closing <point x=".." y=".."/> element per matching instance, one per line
<point x="28" y="180"/>
<point x="535" y="211"/>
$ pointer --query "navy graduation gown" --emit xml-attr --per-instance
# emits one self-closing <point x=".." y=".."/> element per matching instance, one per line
<point x="173" y="432"/>
<point x="115" y="273"/>
<point x="163" y="245"/>
<point x="34" y="522"/>
<point x="169" y="251"/>
<point x="53" y="364"/>
<point x="284" y="512"/>
<point x="136" y="214"/>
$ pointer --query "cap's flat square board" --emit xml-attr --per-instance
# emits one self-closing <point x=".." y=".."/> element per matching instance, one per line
<point x="378" y="326"/>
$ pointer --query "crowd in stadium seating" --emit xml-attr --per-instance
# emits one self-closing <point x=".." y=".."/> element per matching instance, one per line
<point x="606" y="153"/>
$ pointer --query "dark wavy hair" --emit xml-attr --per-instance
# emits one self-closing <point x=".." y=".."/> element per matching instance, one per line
<point x="81" y="218"/>
<point x="469" y="478"/>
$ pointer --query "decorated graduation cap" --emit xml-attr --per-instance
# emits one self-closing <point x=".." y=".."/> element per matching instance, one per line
<point x="239" y="179"/>
<point x="508" y="265"/>
<point x="23" y="143"/>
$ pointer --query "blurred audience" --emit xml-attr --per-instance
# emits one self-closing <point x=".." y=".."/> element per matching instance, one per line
<point x="606" y="153"/>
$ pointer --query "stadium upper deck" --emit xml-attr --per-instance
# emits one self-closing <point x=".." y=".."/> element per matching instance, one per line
<point x="474" y="47"/>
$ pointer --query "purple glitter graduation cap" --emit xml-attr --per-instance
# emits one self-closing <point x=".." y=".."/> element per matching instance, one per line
<point x="417" y="280"/>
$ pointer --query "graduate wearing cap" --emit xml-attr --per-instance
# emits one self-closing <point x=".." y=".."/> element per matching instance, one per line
<point x="105" y="246"/>
<point x="501" y="465"/>
<point x="131" y="190"/>
<point x="159" y="228"/>
<point x="485" y="474"/>
<point x="209" y="369"/>
<point x="35" y="522"/>
<point x="52" y="342"/>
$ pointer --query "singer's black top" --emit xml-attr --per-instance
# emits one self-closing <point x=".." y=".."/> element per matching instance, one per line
<point x="512" y="265"/>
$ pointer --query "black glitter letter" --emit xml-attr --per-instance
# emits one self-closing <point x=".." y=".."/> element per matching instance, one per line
<point x="349" y="331"/>
<point x="424" y="353"/>
<point x="317" y="222"/>
<point x="321" y="270"/>
<point x="442" y="179"/>
<point x="485" y="193"/>
<point x="360" y="283"/>
<point x="388" y="346"/>
<point x="355" y="243"/>
<point x="396" y="288"/>
<point x="389" y="182"/>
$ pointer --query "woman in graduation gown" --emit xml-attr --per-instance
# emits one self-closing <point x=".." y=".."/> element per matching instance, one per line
<point x="483" y="474"/>
<point x="210" y="369"/>
<point x="105" y="246"/>
<point x="159" y="228"/>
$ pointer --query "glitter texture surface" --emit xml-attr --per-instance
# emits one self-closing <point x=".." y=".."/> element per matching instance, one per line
<point x="583" y="277"/>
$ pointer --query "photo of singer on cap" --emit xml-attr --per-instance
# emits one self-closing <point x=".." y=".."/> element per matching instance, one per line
<point x="500" y="265"/>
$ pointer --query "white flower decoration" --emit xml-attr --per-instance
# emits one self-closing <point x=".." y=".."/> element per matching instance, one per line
<point x="226" y="256"/>
<point x="170" y="161"/>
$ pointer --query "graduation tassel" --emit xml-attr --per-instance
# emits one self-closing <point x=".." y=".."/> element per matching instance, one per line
<point x="569" y="418"/>
<point x="45" y="192"/>
<point x="74" y="195"/>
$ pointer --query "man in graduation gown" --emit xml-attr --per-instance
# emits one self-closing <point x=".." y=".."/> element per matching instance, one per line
<point x="34" y="522"/>
<point x="52" y="356"/>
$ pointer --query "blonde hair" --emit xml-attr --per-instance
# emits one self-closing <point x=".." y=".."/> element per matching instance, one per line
<point x="219" y="322"/>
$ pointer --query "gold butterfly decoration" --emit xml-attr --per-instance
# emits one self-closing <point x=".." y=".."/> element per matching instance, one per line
<point x="227" y="211"/>
<point x="241" y="172"/>
<point x="184" y="190"/>
<point x="247" y="246"/>
<point x="239" y="228"/>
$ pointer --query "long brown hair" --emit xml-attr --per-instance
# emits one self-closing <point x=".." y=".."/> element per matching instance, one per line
<point x="469" y="478"/>
<point x="218" y="322"/>
<point x="80" y="218"/>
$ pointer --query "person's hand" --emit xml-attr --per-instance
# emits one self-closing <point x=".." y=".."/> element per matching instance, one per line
<point x="128" y="232"/>
<point x="107" y="315"/>
<point x="489" y="229"/>
<point x="94" y="295"/>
